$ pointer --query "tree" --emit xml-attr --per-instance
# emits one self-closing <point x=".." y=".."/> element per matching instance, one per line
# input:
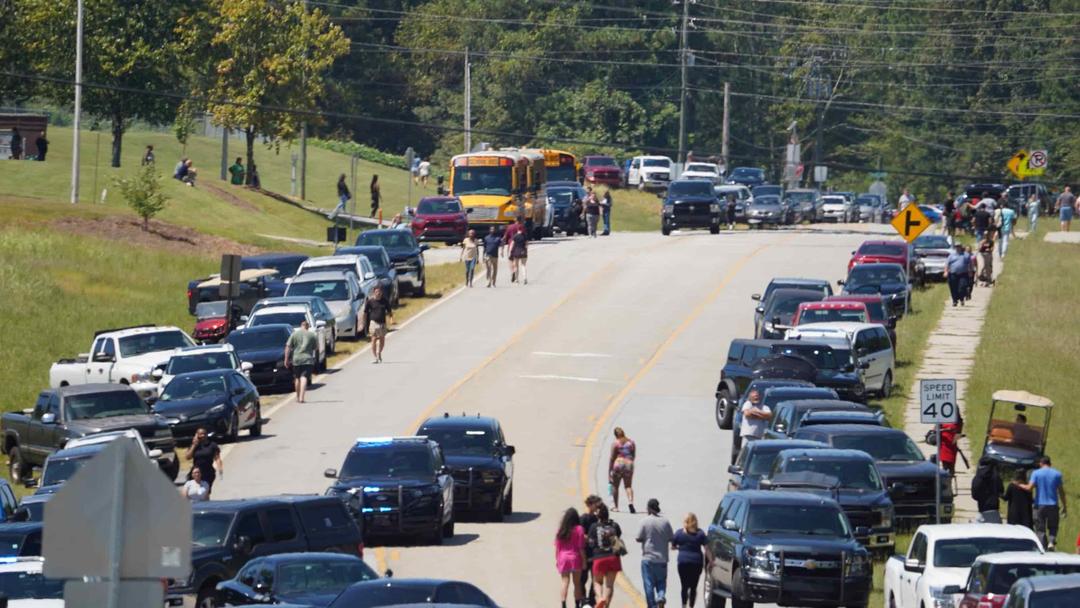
<point x="143" y="193"/>
<point x="128" y="63"/>
<point x="267" y="65"/>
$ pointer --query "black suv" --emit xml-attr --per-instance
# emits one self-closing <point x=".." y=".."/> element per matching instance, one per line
<point x="397" y="486"/>
<point x="773" y="317"/>
<point x="742" y="358"/>
<point x="788" y="415"/>
<point x="21" y="539"/>
<point x="907" y="474"/>
<point x="475" y="449"/>
<point x="406" y="254"/>
<point x="793" y="549"/>
<point x="566" y="200"/>
<point x="757" y="458"/>
<point x="690" y="203"/>
<point x="229" y="533"/>
<point x="836" y="368"/>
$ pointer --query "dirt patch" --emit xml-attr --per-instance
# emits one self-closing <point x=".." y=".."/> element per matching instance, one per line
<point x="161" y="235"/>
<point x="227" y="196"/>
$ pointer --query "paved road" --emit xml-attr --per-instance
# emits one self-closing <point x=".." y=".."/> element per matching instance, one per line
<point x="629" y="330"/>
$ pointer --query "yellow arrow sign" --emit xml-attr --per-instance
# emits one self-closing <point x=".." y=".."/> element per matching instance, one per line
<point x="1018" y="164"/>
<point x="910" y="222"/>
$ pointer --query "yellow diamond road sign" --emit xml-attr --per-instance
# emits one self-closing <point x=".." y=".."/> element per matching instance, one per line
<point x="910" y="222"/>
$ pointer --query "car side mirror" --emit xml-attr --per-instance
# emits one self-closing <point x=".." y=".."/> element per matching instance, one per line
<point x="765" y="484"/>
<point x="320" y="324"/>
<point x="154" y="454"/>
<point x="913" y="565"/>
<point x="862" y="352"/>
<point x="261" y="588"/>
<point x="21" y="514"/>
<point x="729" y="524"/>
<point x="734" y="470"/>
<point x="330" y="473"/>
<point x="104" y="358"/>
<point x="509" y="450"/>
<point x="158" y="373"/>
<point x="756" y="297"/>
<point x="444" y="470"/>
<point x="840" y="282"/>
<point x="760" y="310"/>
<point x="246" y="366"/>
<point x="467" y="210"/>
<point x="388" y="574"/>
<point x="369" y="275"/>
<point x="30" y="483"/>
<point x="864" y="365"/>
<point x="49" y="418"/>
<point x="243" y="318"/>
<point x="243" y="545"/>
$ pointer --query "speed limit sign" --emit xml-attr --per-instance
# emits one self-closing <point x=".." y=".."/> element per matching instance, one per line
<point x="937" y="402"/>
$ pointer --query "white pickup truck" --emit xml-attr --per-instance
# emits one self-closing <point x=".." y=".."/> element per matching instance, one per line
<point x="939" y="558"/>
<point x="124" y="356"/>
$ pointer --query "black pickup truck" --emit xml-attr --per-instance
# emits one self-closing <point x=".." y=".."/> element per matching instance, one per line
<point x="69" y="412"/>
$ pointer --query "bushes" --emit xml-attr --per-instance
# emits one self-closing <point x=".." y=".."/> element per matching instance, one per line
<point x="361" y="151"/>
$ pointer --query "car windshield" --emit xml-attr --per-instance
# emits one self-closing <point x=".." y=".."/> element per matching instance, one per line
<point x="389" y="462"/>
<point x="320" y="577"/>
<point x="439" y="206"/>
<point x="880" y="446"/>
<point x="932" y="241"/>
<point x="193" y="387"/>
<point x="833" y="200"/>
<point x="869" y="200"/>
<point x="331" y="290"/>
<point x="471" y="442"/>
<point x="881" y="249"/>
<point x="391" y="239"/>
<point x="285" y="268"/>
<point x="1057" y="598"/>
<point x="761" y="461"/>
<point x="258" y="340"/>
<point x="564" y="196"/>
<point x="598" y="161"/>
<point x="566" y="173"/>
<point x="690" y="188"/>
<point x="748" y="173"/>
<point x="30" y="586"/>
<point x="656" y="162"/>
<point x="702" y="168"/>
<point x="767" y="191"/>
<point x="854" y="474"/>
<point x="482" y="180"/>
<point x="273" y="318"/>
<point x="1004" y="575"/>
<point x="199" y="363"/>
<point x="869" y="274"/>
<point x="766" y="199"/>
<point x="828" y="315"/>
<point x="337" y="266"/>
<point x="823" y="287"/>
<point x="140" y="344"/>
<point x="961" y="552"/>
<point x="784" y="519"/>
<point x="373" y="597"/>
<point x="876" y="310"/>
<point x="801" y="197"/>
<point x="59" y="471"/>
<point x="210" y="310"/>
<point x="210" y="529"/>
<point x="823" y="357"/>
<point x="104" y="405"/>
<point x="784" y="306"/>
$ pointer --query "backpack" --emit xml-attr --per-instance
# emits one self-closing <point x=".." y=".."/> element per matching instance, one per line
<point x="607" y="539"/>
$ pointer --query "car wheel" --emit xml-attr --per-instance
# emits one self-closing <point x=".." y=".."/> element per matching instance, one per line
<point x="18" y="470"/>
<point x="207" y="598"/>
<point x="421" y="291"/>
<point x="725" y="412"/>
<point x="892" y="601"/>
<point x="448" y="529"/>
<point x="737" y="591"/>
<point x="256" y="429"/>
<point x="665" y="229"/>
<point x="886" y="386"/>
<point x="331" y="347"/>
<point x="508" y="502"/>
<point x="436" y="537"/>
<point x="711" y="599"/>
<point x="234" y="429"/>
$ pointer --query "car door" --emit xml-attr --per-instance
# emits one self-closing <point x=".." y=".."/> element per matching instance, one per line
<point x="885" y="351"/>
<point x="909" y="580"/>
<point x="99" y="368"/>
<point x="242" y="398"/>
<point x="863" y="347"/>
<point x="716" y="568"/>
<point x="241" y="590"/>
<point x="507" y="460"/>
<point x="249" y="525"/>
<point x="730" y="539"/>
<point x="283" y="530"/>
<point x="446" y="482"/>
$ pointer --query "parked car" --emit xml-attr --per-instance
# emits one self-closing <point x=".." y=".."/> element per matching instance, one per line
<point x="788" y="548"/>
<point x="441" y="219"/>
<point x="64" y="413"/>
<point x="1051" y="591"/>
<point x="743" y="199"/>
<point x="597" y="169"/>
<point x="292" y="315"/>
<point x="875" y="308"/>
<point x="774" y="315"/>
<point x="650" y="172"/>
<point x="849" y="477"/>
<point x="61" y="465"/>
<point x="992" y="575"/>
<point x="224" y="402"/>
<point x="835" y="209"/>
<point x="197" y="359"/>
<point x="482" y="464"/>
<point x="706" y="171"/>
<point x="122" y="356"/>
<point x="406" y="254"/>
<point x="319" y="309"/>
<point x="227" y="534"/>
<point x="380" y="263"/>
<point x="939" y="559"/>
<point x="255" y="284"/>
<point x="756" y="459"/>
<point x="565" y="200"/>
<point x="788" y="415"/>
<point x="264" y="348"/>
<point x="805" y="201"/>
<point x="869" y="207"/>
<point x="930" y="251"/>
<point x="886" y="252"/>
<point x="414" y="592"/>
<point x="397" y="486"/>
<point x="746" y="176"/>
<point x="690" y="204"/>
<point x="829" y="312"/>
<point x="870" y="347"/>
<point x="888" y="280"/>
<point x="789" y="283"/>
<point x="1017" y="196"/>
<point x="767" y="209"/>
<point x="213" y="321"/>
<point x="736" y="375"/>
<point x="835" y="366"/>
<point x="342" y="293"/>
<point x="23" y="584"/>
<point x="308" y="579"/>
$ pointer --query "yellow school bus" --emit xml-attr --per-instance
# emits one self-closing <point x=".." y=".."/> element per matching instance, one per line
<point x="561" y="166"/>
<point x="498" y="185"/>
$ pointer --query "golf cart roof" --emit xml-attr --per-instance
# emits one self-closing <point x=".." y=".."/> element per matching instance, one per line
<point x="247" y="274"/>
<point x="1022" y="397"/>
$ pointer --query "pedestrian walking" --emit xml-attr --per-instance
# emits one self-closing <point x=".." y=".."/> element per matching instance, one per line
<point x="570" y="555"/>
<point x="605" y="538"/>
<point x="42" y="146"/>
<point x="344" y="196"/>
<point x="470" y="254"/>
<point x="950" y="214"/>
<point x="195" y="489"/>
<point x="592" y="505"/>
<point x="655" y="536"/>
<point x="237" y="172"/>
<point x="205" y="455"/>
<point x="378" y="315"/>
<point x="605" y="211"/>
<point x="300" y="353"/>
<point x="973" y="270"/>
<point x="148" y="156"/>
<point x="690" y="541"/>
<point x="957" y="266"/>
<point x="982" y="220"/>
<point x="1050" y="505"/>
<point x="414" y="170"/>
<point x="1019" y="500"/>
<point x="987" y="490"/>
<point x="1033" y="213"/>
<point x="16" y="144"/>
<point x="949" y="447"/>
<point x="492" y="245"/>
<point x="516" y="240"/>
<point x="986" y="260"/>
<point x="731" y="209"/>
<point x="1065" y="206"/>
<point x="376" y="195"/>
<point x="621" y="469"/>
<point x="755" y="417"/>
<point x="424" y="171"/>
<point x="592" y="212"/>
<point x="1008" y="222"/>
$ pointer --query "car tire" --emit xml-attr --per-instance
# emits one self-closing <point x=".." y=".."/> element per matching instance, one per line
<point x="234" y="429"/>
<point x="207" y="597"/>
<point x="18" y="470"/>
<point x="886" y="386"/>
<point x="448" y="529"/>
<point x="508" y="502"/>
<point x="421" y="291"/>
<point x="331" y="347"/>
<point x="711" y="599"/>
<point x="725" y="410"/>
<point x="256" y="429"/>
<point x="737" y="591"/>
<point x="665" y="230"/>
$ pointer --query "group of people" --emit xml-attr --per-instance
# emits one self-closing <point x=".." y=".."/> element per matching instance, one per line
<point x="593" y="210"/>
<point x="1036" y="500"/>
<point x="420" y="171"/>
<point x="16" y="145"/>
<point x="345" y="195"/>
<point x="513" y="243"/>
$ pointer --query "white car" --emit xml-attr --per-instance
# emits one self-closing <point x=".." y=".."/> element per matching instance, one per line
<point x="939" y="560"/>
<point x="649" y="172"/>
<point x="198" y="359"/>
<point x="744" y="197"/>
<point x="706" y="171"/>
<point x="341" y="292"/>
<point x="349" y="262"/>
<point x="24" y="585"/>
<point x="871" y="349"/>
<point x="834" y="208"/>
<point x="293" y="316"/>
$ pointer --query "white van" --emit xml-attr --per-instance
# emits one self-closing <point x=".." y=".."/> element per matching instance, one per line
<point x="871" y="349"/>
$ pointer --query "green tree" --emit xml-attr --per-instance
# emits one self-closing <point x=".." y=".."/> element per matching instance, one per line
<point x="143" y="193"/>
<point x="267" y="63"/>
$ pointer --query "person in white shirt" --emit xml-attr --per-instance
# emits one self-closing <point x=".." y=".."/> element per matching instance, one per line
<point x="755" y="417"/>
<point x="425" y="171"/>
<point x="196" y="490"/>
<point x="905" y="198"/>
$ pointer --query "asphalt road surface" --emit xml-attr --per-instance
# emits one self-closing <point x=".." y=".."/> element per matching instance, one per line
<point x="629" y="330"/>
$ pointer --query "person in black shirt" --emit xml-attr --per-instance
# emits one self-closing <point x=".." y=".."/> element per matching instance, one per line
<point x="492" y="244"/>
<point x="377" y="316"/>
<point x="592" y="503"/>
<point x="1019" y="499"/>
<point x="205" y="455"/>
<point x="950" y="213"/>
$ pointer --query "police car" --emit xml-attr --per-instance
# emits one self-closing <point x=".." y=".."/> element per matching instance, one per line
<point x="480" y="461"/>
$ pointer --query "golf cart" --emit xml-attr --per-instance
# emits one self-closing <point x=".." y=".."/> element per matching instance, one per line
<point x="1017" y="429"/>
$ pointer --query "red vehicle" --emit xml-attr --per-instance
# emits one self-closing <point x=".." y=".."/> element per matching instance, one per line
<point x="889" y="252"/>
<point x="828" y="312"/>
<point x="875" y="310"/>
<point x="211" y="326"/>
<point x="440" y="218"/>
<point x="601" y="170"/>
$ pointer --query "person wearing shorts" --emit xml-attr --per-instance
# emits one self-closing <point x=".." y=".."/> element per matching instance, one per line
<point x="570" y="554"/>
<point x="517" y="245"/>
<point x="1066" y="206"/>
<point x="300" y="352"/>
<point x="607" y="561"/>
<point x="621" y="468"/>
<point x="377" y="315"/>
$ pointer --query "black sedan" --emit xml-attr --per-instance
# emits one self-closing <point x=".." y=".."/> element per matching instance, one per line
<point x="775" y="314"/>
<point x="307" y="579"/>
<point x="223" y="402"/>
<point x="886" y="279"/>
<point x="409" y="592"/>
<point x="263" y="346"/>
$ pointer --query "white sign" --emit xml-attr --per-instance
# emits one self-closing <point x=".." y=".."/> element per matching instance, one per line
<point x="1037" y="160"/>
<point x="821" y="173"/>
<point x="937" y="402"/>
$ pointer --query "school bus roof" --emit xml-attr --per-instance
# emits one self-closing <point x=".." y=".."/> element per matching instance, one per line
<point x="513" y="155"/>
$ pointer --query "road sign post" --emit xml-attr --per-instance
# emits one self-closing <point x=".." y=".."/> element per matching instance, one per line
<point x="937" y="406"/>
<point x="410" y="156"/>
<point x="230" y="284"/>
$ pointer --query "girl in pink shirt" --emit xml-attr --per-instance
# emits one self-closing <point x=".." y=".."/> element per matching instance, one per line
<point x="570" y="554"/>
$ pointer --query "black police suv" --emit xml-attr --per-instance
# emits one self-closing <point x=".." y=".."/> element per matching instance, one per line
<point x="397" y="486"/>
<point x="836" y="368"/>
<point x="788" y="548"/>
<point x="690" y="203"/>
<point x="757" y="458"/>
<point x="760" y="385"/>
<point x="479" y="459"/>
<point x="406" y="255"/>
<point x="566" y="200"/>
<point x="302" y="579"/>
<point x="736" y="375"/>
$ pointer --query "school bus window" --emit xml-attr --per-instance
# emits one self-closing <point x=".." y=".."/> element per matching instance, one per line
<point x="482" y="180"/>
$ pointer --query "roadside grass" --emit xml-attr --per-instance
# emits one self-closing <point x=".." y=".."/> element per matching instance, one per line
<point x="634" y="210"/>
<point x="1031" y="342"/>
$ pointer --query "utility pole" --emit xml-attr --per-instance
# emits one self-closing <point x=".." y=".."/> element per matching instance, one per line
<point x="225" y="153"/>
<point x="78" y="103"/>
<point x="468" y="102"/>
<point x="725" y="126"/>
<point x="683" y="52"/>
<point x="303" y="139"/>
<point x="819" y="92"/>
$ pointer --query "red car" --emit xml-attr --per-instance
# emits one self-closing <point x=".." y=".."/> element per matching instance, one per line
<point x="875" y="309"/>
<point x="210" y="322"/>
<point x="601" y="170"/>
<point x="889" y="252"/>
<point x="439" y="218"/>
<point x="829" y="312"/>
